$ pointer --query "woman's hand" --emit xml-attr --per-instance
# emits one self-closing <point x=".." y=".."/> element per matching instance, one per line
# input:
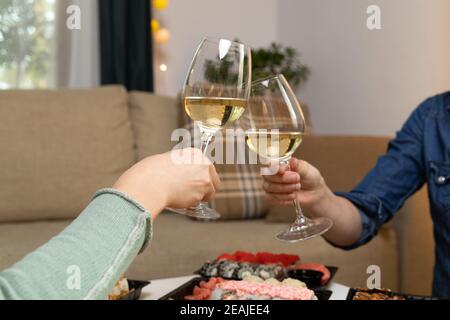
<point x="160" y="181"/>
<point x="298" y="180"/>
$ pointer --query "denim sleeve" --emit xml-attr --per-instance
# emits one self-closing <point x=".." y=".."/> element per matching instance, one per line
<point x="397" y="175"/>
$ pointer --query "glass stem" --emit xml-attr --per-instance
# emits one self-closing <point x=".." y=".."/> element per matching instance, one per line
<point x="300" y="219"/>
<point x="205" y="141"/>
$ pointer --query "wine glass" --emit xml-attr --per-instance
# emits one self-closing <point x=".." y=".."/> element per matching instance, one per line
<point x="215" y="95"/>
<point x="274" y="127"/>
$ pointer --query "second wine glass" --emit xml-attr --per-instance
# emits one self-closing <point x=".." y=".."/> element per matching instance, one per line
<point x="215" y="95"/>
<point x="275" y="125"/>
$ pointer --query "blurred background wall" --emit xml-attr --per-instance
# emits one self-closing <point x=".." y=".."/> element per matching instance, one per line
<point x="252" y="21"/>
<point x="366" y="81"/>
<point x="362" y="81"/>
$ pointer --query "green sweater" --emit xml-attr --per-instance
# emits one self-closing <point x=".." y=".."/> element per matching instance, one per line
<point x="86" y="259"/>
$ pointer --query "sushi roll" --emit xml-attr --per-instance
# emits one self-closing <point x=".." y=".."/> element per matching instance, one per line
<point x="246" y="269"/>
<point x="228" y="269"/>
<point x="267" y="271"/>
<point x="278" y="271"/>
<point x="210" y="269"/>
<point x="254" y="279"/>
<point x="294" y="283"/>
<point x="239" y="270"/>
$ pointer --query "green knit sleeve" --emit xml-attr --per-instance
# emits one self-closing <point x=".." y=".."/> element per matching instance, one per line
<point x="86" y="259"/>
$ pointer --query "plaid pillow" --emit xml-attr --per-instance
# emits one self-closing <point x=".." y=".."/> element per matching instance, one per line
<point x="241" y="195"/>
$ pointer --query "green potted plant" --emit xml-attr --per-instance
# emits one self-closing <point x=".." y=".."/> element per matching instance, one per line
<point x="269" y="61"/>
<point x="277" y="59"/>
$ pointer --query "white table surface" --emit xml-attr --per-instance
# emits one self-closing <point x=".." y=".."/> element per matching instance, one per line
<point x="159" y="288"/>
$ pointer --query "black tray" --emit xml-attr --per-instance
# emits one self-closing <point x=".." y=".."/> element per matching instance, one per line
<point x="353" y="291"/>
<point x="187" y="289"/>
<point x="136" y="287"/>
<point x="332" y="270"/>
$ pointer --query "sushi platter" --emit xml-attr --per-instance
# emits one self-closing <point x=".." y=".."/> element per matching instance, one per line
<point x="266" y="266"/>
<point x="220" y="289"/>
<point x="261" y="276"/>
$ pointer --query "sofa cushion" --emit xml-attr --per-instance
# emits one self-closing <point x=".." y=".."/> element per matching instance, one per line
<point x="58" y="147"/>
<point x="180" y="246"/>
<point x="153" y="120"/>
<point x="342" y="160"/>
<point x="19" y="239"/>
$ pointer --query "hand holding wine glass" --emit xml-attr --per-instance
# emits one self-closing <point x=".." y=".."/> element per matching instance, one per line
<point x="275" y="126"/>
<point x="150" y="181"/>
<point x="296" y="180"/>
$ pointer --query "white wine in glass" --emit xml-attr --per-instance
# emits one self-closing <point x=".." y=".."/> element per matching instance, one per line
<point x="278" y="145"/>
<point x="215" y="95"/>
<point x="214" y="113"/>
<point x="274" y="126"/>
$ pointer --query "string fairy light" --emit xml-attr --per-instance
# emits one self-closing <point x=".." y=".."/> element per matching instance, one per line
<point x="161" y="34"/>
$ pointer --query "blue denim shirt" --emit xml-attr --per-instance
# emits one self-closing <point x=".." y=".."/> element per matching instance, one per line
<point x="419" y="154"/>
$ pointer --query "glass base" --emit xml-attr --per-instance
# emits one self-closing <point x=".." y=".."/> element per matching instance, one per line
<point x="202" y="211"/>
<point x="310" y="229"/>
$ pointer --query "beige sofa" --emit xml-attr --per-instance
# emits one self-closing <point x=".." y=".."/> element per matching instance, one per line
<point x="58" y="147"/>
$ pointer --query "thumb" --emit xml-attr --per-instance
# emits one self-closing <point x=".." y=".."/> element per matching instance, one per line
<point x="299" y="166"/>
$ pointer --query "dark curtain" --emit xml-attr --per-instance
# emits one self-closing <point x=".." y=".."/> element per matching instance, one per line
<point x="126" y="44"/>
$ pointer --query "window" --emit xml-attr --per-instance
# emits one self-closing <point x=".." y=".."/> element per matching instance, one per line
<point x="27" y="43"/>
